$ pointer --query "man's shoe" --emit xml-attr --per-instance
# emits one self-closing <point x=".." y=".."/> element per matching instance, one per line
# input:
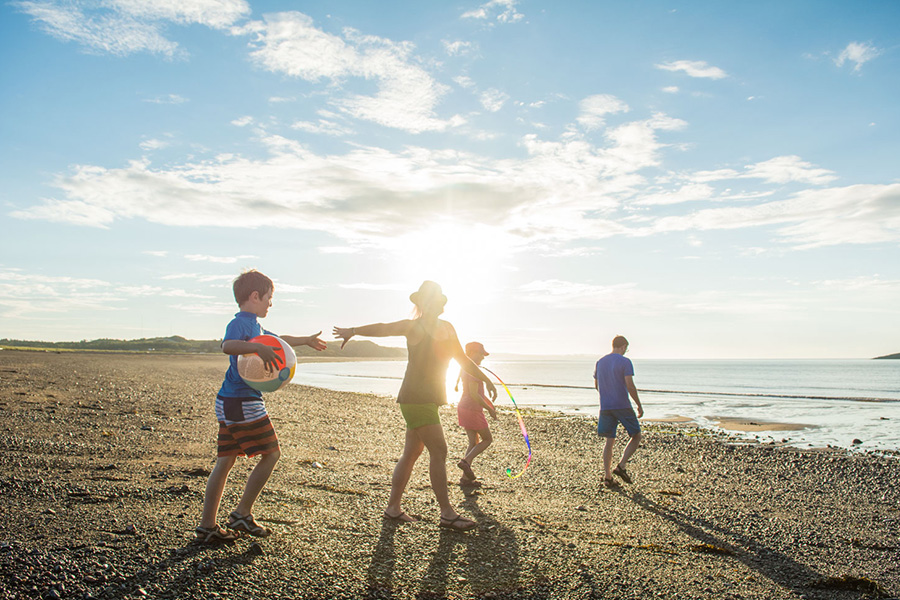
<point x="620" y="472"/>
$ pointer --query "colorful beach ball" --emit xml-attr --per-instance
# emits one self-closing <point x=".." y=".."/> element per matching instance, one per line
<point x="253" y="371"/>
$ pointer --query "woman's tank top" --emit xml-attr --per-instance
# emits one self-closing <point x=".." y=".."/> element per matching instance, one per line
<point x="425" y="381"/>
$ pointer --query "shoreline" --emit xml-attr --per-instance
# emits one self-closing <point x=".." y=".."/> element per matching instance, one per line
<point x="107" y="456"/>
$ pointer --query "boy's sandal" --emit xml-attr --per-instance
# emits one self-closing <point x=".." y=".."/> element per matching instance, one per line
<point x="620" y="472"/>
<point x="466" y="468"/>
<point x="469" y="482"/>
<point x="458" y="523"/>
<point x="611" y="483"/>
<point x="246" y="524"/>
<point x="213" y="535"/>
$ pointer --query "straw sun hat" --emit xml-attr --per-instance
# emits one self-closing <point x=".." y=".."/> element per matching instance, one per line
<point x="429" y="292"/>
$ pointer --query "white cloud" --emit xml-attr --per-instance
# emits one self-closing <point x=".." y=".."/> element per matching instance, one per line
<point x="198" y="277"/>
<point x="458" y="47"/>
<point x="51" y="295"/>
<point x="407" y="95"/>
<point x="375" y="287"/>
<point x="505" y="11"/>
<point x="688" y="193"/>
<point x="635" y="145"/>
<point x="281" y="99"/>
<point x="322" y="126"/>
<point x="157" y="253"/>
<point x="493" y="100"/>
<point x="781" y="169"/>
<point x="124" y="27"/>
<point x="204" y="308"/>
<point x="217" y="14"/>
<point x="862" y="283"/>
<point x="671" y="89"/>
<point x="371" y="194"/>
<point x="242" y="121"/>
<point x="858" y="53"/>
<point x="857" y="214"/>
<point x="464" y="81"/>
<point x="595" y="108"/>
<point x="156" y="291"/>
<point x="561" y="294"/>
<point x="694" y="68"/>
<point x="167" y="99"/>
<point x="339" y="250"/>
<point x="153" y="144"/>
<point x="228" y="260"/>
<point x="288" y="288"/>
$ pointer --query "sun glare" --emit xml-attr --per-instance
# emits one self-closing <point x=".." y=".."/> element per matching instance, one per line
<point x="468" y="261"/>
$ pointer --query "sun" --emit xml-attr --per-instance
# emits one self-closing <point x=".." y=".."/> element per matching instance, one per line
<point x="469" y="261"/>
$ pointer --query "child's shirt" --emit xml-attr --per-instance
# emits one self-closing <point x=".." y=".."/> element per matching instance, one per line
<point x="243" y="326"/>
<point x="467" y="401"/>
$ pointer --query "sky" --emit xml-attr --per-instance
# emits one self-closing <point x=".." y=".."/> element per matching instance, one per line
<point x="709" y="179"/>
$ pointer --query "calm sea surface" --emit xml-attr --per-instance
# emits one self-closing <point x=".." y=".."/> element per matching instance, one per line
<point x="838" y="400"/>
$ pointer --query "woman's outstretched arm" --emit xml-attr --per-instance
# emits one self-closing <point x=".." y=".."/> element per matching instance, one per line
<point x="396" y="328"/>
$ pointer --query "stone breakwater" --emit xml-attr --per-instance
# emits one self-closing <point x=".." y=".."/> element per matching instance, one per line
<point x="106" y="455"/>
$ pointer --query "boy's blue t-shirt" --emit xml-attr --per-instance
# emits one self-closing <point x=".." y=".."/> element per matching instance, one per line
<point x="610" y="373"/>
<point x="242" y="327"/>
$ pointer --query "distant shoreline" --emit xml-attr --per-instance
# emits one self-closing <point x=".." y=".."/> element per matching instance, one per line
<point x="356" y="348"/>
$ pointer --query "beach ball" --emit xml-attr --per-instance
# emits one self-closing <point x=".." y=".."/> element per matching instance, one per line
<point x="253" y="371"/>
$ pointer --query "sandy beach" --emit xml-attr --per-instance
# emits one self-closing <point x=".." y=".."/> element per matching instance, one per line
<point x="106" y="456"/>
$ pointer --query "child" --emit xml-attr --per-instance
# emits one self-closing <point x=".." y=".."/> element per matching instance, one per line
<point x="244" y="426"/>
<point x="471" y="416"/>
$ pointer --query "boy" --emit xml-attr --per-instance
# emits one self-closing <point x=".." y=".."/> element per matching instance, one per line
<point x="244" y="426"/>
<point x="614" y="380"/>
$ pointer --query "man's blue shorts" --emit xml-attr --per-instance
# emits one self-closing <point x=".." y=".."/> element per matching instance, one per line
<point x="609" y="420"/>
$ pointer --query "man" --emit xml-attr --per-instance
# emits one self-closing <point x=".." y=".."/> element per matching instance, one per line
<point x="614" y="380"/>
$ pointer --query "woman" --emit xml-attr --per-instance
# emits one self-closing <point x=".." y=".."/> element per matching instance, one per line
<point x="431" y="343"/>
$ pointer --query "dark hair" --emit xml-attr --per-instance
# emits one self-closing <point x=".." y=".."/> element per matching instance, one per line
<point x="248" y="282"/>
<point x="619" y="341"/>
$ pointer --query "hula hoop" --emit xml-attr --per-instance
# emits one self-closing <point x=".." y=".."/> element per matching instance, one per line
<point x="509" y="472"/>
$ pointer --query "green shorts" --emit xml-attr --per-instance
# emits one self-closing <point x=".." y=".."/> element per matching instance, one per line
<point x="419" y="415"/>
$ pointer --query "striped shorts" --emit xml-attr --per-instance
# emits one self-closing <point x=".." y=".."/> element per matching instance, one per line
<point x="244" y="427"/>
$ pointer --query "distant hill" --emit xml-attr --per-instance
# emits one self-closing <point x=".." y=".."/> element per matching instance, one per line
<point x="176" y="343"/>
<point x="889" y="356"/>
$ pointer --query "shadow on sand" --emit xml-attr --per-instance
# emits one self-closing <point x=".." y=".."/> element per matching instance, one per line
<point x="712" y="538"/>
<point x="380" y="574"/>
<point x="485" y="560"/>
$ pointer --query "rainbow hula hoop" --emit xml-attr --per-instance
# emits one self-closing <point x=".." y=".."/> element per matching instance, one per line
<point x="509" y="472"/>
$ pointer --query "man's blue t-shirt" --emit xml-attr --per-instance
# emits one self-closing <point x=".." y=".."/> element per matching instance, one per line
<point x="610" y="373"/>
<point x="242" y="327"/>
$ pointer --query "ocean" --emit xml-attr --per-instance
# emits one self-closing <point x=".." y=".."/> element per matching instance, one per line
<point x="838" y="401"/>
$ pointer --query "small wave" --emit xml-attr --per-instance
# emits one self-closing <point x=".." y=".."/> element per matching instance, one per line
<point x="368" y="377"/>
<point x="731" y="394"/>
<point x="674" y="392"/>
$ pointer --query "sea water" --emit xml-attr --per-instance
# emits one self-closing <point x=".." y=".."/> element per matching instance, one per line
<point x="836" y="401"/>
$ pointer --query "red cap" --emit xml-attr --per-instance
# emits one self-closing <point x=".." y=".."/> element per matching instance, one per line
<point x="473" y="347"/>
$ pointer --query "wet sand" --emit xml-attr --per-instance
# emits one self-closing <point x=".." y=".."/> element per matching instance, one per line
<point x="106" y="457"/>
<point x="756" y="425"/>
